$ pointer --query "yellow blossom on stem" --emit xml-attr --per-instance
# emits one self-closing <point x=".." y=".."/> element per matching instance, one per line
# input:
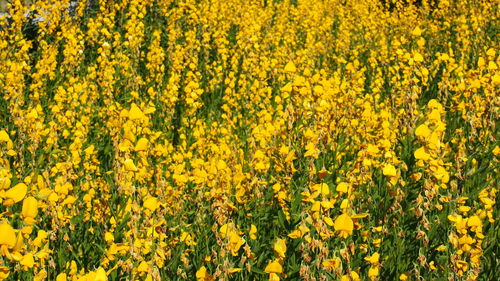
<point x="344" y="225"/>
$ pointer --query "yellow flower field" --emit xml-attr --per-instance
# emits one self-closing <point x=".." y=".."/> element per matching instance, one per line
<point x="249" y="140"/>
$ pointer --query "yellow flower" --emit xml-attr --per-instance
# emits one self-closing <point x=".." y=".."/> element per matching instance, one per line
<point x="389" y="170"/>
<point x="464" y="209"/>
<point x="462" y="266"/>
<point x="224" y="229"/>
<point x="290" y="67"/>
<point x="135" y="113"/>
<point x="15" y="194"/>
<point x="423" y="131"/>
<point x="328" y="221"/>
<point x="7" y="235"/>
<point x="298" y="233"/>
<point x="441" y="248"/>
<point x="41" y="275"/>
<point x="434" y="141"/>
<point x="273" y="267"/>
<point x="234" y="270"/>
<point x="30" y="210"/>
<point x="344" y="225"/>
<point x="342" y="187"/>
<point x="235" y="242"/>
<point x="280" y="248"/>
<point x="287" y="88"/>
<point x="143" y="267"/>
<point x="492" y="66"/>
<point x="416" y="32"/>
<point x="321" y="188"/>
<point x="41" y="236"/>
<point x="311" y="151"/>
<point x="253" y="231"/>
<point x="33" y="114"/>
<point x="4" y="137"/>
<point x="188" y="239"/>
<point x="274" y="277"/>
<point x="496" y="150"/>
<point x="355" y="276"/>
<point x="109" y="237"/>
<point x="142" y="144"/>
<point x="4" y="183"/>
<point x="373" y="259"/>
<point x="4" y="272"/>
<point x="442" y="174"/>
<point x="151" y="203"/>
<point x="418" y="57"/>
<point x="129" y="165"/>
<point x="202" y="275"/>
<point x="27" y="260"/>
<point x="421" y="154"/>
<point x="100" y="275"/>
<point x="372" y="149"/>
<point x="344" y="205"/>
<point x="373" y="272"/>
<point x="331" y="264"/>
<point x="474" y="222"/>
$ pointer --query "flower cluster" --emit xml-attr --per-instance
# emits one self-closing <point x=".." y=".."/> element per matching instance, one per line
<point x="248" y="140"/>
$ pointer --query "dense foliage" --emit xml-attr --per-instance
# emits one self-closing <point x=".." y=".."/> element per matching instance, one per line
<point x="249" y="140"/>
